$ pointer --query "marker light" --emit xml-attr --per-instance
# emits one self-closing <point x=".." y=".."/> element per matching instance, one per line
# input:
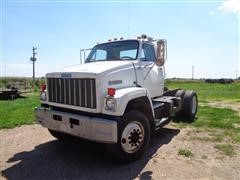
<point x="111" y="91"/>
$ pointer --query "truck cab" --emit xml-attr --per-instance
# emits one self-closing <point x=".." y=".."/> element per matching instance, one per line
<point x="117" y="97"/>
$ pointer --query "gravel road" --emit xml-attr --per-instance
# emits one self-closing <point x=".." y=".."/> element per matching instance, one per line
<point x="30" y="152"/>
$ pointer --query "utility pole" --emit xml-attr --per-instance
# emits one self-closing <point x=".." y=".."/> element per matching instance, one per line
<point x="33" y="59"/>
<point x="192" y="72"/>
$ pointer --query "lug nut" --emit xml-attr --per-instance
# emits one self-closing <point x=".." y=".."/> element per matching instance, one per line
<point x="123" y="140"/>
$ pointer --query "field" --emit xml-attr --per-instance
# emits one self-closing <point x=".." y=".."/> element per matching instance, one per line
<point x="18" y="112"/>
<point x="210" y="92"/>
<point x="208" y="148"/>
<point x="218" y="108"/>
<point x="218" y="105"/>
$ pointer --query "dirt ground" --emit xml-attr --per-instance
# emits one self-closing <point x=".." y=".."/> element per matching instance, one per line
<point x="30" y="152"/>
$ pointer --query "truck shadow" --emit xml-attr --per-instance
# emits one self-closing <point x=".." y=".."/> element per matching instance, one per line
<point x="80" y="159"/>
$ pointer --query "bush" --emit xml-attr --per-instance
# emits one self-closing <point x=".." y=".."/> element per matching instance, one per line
<point x="21" y="83"/>
<point x="185" y="152"/>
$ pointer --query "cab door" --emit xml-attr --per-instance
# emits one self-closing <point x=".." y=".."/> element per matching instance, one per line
<point x="153" y="75"/>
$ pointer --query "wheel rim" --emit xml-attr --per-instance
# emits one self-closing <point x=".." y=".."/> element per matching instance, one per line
<point x="132" y="137"/>
<point x="194" y="104"/>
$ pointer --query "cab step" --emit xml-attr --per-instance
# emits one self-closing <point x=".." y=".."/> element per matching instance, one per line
<point x="159" y="123"/>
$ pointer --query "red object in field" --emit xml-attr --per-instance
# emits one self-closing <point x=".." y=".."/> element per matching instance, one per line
<point x="43" y="87"/>
<point x="111" y="91"/>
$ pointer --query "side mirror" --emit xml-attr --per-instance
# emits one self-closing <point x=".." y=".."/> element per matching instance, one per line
<point x="161" y="52"/>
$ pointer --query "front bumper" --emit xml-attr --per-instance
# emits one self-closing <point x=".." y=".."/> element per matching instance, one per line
<point x="91" y="128"/>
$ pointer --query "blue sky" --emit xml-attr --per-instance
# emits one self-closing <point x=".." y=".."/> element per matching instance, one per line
<point x="204" y="33"/>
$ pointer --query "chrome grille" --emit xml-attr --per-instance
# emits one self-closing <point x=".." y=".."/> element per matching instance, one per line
<point x="72" y="91"/>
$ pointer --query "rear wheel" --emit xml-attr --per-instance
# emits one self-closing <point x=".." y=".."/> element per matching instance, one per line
<point x="189" y="105"/>
<point x="133" y="137"/>
<point x="180" y="93"/>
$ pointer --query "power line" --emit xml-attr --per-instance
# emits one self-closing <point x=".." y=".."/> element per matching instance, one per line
<point x="33" y="59"/>
<point x="128" y="18"/>
<point x="192" y="72"/>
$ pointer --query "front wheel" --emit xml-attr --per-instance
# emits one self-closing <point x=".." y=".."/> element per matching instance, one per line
<point x="133" y="137"/>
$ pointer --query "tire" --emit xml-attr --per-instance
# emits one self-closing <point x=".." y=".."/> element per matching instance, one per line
<point x="180" y="93"/>
<point x="59" y="135"/>
<point x="189" y="106"/>
<point x="133" y="137"/>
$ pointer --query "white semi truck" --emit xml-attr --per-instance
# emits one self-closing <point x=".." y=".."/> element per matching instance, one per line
<point x="117" y="97"/>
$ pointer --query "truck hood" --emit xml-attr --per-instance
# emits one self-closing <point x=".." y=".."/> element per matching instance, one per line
<point x="97" y="67"/>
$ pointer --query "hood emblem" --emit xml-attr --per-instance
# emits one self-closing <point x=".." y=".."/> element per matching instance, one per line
<point x="66" y="75"/>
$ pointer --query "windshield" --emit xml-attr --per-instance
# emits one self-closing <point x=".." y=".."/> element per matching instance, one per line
<point x="119" y="50"/>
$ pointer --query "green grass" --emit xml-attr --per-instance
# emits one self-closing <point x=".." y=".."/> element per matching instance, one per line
<point x="207" y="91"/>
<point x="19" y="111"/>
<point x="185" y="152"/>
<point x="213" y="117"/>
<point x="216" y="118"/>
<point x="233" y="134"/>
<point x="226" y="149"/>
<point x="211" y="139"/>
<point x="225" y="119"/>
<point x="210" y="118"/>
<point x="22" y="83"/>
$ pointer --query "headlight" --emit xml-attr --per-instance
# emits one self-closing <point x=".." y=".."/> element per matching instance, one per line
<point x="43" y="96"/>
<point x="110" y="103"/>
